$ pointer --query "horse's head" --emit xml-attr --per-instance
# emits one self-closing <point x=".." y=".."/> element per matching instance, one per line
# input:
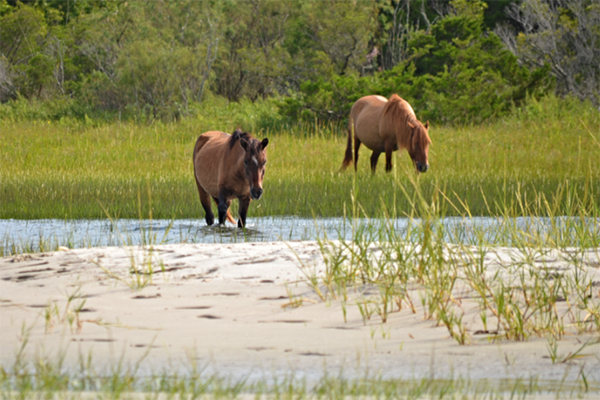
<point x="420" y="142"/>
<point x="255" y="159"/>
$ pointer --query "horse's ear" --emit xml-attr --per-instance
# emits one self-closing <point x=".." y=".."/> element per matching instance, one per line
<point x="427" y="125"/>
<point x="264" y="143"/>
<point x="411" y="125"/>
<point x="244" y="144"/>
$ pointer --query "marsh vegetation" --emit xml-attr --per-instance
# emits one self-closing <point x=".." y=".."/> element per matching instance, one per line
<point x="545" y="152"/>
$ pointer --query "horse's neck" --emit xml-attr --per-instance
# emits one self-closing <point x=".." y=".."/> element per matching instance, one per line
<point x="410" y="116"/>
<point x="408" y="136"/>
<point x="235" y="157"/>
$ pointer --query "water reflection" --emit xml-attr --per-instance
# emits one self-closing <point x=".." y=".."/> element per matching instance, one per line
<point x="42" y="235"/>
<point x="47" y="234"/>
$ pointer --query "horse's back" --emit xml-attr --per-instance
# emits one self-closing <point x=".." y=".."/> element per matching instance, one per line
<point x="366" y="114"/>
<point x="208" y="154"/>
<point x="212" y="139"/>
<point x="366" y="105"/>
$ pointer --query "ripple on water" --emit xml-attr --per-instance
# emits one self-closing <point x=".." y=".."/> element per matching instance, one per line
<point x="47" y="234"/>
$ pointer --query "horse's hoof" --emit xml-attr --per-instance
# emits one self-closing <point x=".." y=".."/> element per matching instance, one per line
<point x="210" y="220"/>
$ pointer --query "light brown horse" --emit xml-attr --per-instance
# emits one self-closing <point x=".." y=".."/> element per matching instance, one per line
<point x="227" y="167"/>
<point x="386" y="126"/>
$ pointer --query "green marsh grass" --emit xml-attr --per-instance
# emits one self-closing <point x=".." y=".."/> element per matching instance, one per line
<point x="383" y="270"/>
<point x="67" y="169"/>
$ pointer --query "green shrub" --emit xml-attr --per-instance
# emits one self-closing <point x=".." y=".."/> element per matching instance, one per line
<point x="456" y="73"/>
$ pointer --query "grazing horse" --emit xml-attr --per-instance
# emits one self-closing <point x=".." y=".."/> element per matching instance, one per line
<point x="386" y="126"/>
<point x="228" y="167"/>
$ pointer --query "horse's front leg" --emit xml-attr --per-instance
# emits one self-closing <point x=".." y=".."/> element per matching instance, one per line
<point x="389" y="149"/>
<point x="223" y="206"/>
<point x="244" y="204"/>
<point x="374" y="159"/>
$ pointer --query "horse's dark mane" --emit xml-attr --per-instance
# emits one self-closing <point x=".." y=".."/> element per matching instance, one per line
<point x="238" y="135"/>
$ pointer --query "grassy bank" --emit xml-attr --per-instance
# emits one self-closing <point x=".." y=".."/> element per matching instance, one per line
<point x="546" y="153"/>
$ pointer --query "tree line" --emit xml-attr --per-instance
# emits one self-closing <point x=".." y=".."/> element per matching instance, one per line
<point x="460" y="61"/>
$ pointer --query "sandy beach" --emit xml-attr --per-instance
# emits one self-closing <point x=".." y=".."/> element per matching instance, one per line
<point x="242" y="310"/>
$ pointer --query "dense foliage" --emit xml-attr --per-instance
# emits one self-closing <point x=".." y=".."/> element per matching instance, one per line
<point x="159" y="60"/>
<point x="453" y="73"/>
<point x="563" y="35"/>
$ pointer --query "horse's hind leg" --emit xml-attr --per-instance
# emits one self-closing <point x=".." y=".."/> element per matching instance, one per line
<point x="205" y="201"/>
<point x="357" y="144"/>
<point x="374" y="159"/>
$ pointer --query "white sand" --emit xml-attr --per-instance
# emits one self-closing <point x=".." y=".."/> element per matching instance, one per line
<point x="226" y="308"/>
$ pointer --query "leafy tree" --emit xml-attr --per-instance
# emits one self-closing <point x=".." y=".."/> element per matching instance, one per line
<point x="396" y="22"/>
<point x="495" y="13"/>
<point x="563" y="34"/>
<point x="252" y="61"/>
<point x="453" y="73"/>
<point x="22" y="36"/>
<point x="156" y="57"/>
<point x="37" y="50"/>
<point x="330" y="38"/>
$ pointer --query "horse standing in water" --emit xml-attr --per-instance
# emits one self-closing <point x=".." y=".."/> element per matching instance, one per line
<point x="228" y="167"/>
<point x="386" y="126"/>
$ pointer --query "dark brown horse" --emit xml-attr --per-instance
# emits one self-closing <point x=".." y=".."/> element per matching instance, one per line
<point x="386" y="126"/>
<point x="227" y="167"/>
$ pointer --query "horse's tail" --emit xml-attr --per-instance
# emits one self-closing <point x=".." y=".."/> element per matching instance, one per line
<point x="348" y="156"/>
<point x="199" y="144"/>
<point x="230" y="218"/>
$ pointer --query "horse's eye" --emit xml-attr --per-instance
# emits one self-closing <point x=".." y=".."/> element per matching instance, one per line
<point x="246" y="162"/>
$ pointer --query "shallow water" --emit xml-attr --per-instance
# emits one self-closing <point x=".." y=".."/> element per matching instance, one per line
<point x="43" y="235"/>
<point x="88" y="233"/>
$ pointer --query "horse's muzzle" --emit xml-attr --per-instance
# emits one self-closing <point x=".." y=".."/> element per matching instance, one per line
<point x="422" y="167"/>
<point x="256" y="193"/>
